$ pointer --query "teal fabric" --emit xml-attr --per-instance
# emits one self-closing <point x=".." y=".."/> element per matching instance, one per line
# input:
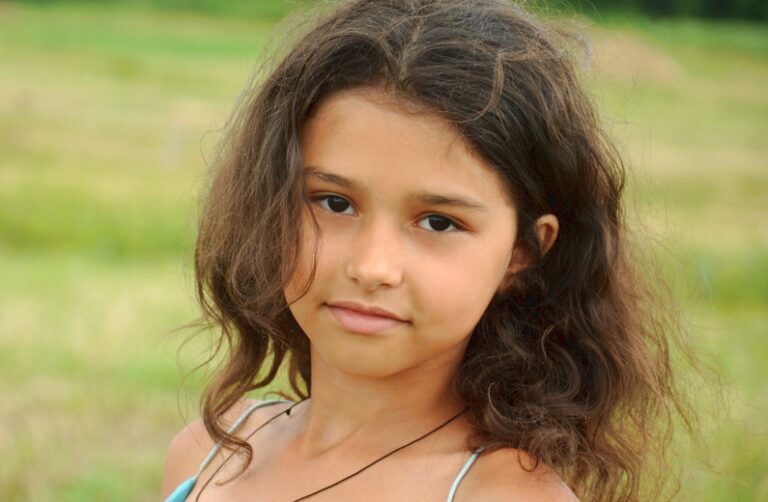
<point x="463" y="472"/>
<point x="181" y="492"/>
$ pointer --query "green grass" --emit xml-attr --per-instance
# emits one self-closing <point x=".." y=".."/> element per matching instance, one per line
<point x="106" y="115"/>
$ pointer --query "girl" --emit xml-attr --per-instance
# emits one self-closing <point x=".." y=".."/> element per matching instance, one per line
<point x="418" y="217"/>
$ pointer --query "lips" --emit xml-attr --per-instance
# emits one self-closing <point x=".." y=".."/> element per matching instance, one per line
<point x="363" y="322"/>
<point x="366" y="309"/>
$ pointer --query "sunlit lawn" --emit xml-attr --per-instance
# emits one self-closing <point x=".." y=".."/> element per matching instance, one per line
<point x="106" y="116"/>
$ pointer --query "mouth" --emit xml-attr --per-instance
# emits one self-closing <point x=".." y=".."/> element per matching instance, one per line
<point x="366" y="323"/>
<point x="371" y="310"/>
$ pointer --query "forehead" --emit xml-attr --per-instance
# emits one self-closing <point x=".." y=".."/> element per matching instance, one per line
<point x="367" y="135"/>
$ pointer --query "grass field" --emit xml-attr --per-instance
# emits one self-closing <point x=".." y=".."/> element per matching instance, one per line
<point x="106" y="116"/>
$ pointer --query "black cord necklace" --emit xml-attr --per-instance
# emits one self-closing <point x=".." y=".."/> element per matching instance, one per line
<point x="288" y="412"/>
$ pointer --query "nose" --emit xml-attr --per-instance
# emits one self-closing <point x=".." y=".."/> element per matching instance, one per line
<point x="376" y="257"/>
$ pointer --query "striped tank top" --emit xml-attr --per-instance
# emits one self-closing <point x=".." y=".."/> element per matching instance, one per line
<point x="181" y="492"/>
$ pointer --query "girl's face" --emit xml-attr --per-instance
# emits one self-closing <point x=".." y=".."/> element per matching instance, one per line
<point x="410" y="221"/>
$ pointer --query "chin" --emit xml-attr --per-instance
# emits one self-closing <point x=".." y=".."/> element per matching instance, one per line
<point x="373" y="366"/>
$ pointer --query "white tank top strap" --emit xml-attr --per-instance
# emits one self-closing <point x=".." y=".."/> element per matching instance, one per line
<point x="463" y="472"/>
<point x="242" y="418"/>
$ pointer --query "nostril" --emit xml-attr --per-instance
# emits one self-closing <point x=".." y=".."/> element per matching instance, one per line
<point x="372" y="276"/>
<point x="375" y="259"/>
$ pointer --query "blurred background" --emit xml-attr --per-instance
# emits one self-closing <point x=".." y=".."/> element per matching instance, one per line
<point x="109" y="110"/>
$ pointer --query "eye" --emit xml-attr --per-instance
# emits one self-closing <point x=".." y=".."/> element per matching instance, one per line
<point x="335" y="204"/>
<point x="440" y="223"/>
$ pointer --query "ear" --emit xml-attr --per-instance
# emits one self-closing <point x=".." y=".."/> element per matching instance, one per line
<point x="547" y="227"/>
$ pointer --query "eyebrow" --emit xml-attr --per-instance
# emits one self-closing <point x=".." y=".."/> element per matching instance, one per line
<point x="423" y="197"/>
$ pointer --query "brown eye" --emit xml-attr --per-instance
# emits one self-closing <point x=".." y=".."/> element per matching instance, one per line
<point x="439" y="224"/>
<point x="335" y="204"/>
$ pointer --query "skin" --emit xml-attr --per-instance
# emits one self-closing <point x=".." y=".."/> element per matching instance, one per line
<point x="436" y="267"/>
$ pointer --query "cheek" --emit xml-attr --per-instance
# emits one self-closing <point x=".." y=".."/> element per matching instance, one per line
<point x="325" y="251"/>
<point x="457" y="295"/>
<point x="298" y="281"/>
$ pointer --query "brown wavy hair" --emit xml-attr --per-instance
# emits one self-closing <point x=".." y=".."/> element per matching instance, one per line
<point x="572" y="363"/>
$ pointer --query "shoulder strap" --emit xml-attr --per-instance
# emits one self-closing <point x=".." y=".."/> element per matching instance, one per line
<point x="234" y="427"/>
<point x="463" y="472"/>
<point x="182" y="491"/>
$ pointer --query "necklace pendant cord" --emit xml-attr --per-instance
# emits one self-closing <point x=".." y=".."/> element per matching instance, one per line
<point x="288" y="412"/>
<point x="383" y="457"/>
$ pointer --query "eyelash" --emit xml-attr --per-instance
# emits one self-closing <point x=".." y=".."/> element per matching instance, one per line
<point x="458" y="228"/>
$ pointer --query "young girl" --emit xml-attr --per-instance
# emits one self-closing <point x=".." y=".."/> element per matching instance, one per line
<point x="419" y="218"/>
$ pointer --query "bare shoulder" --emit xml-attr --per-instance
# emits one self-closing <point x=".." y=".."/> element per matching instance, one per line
<point x="498" y="476"/>
<point x="192" y="444"/>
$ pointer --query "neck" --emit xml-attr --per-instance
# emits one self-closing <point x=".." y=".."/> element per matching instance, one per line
<point x="369" y="415"/>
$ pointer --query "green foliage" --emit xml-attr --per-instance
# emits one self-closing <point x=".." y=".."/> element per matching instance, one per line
<point x="713" y="9"/>
<point x="263" y="9"/>
<point x="275" y="9"/>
